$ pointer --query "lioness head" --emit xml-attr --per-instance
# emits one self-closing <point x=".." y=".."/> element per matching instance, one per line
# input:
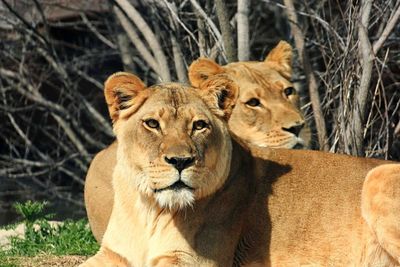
<point x="266" y="113"/>
<point x="173" y="142"/>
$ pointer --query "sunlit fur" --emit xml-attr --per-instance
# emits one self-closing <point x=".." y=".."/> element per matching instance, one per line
<point x="175" y="201"/>
<point x="381" y="210"/>
<point x="141" y="150"/>
<point x="144" y="177"/>
<point x="306" y="208"/>
<point x="277" y="207"/>
<point x="263" y="125"/>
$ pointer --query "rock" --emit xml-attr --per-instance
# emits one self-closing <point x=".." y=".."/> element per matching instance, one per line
<point x="6" y="234"/>
<point x="19" y="231"/>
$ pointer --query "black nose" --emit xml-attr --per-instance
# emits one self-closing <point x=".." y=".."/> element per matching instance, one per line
<point x="180" y="163"/>
<point x="295" y="129"/>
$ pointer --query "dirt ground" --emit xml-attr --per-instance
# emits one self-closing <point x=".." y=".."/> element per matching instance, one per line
<point x="43" y="261"/>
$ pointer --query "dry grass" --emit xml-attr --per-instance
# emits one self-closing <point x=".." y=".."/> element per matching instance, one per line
<point x="43" y="260"/>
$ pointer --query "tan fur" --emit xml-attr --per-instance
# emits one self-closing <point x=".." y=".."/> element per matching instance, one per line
<point x="381" y="209"/>
<point x="162" y="223"/>
<point x="276" y="207"/>
<point x="268" y="124"/>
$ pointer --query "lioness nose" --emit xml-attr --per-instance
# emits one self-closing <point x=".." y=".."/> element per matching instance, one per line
<point x="294" y="129"/>
<point x="180" y="163"/>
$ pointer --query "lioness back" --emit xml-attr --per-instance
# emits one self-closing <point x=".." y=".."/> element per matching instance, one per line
<point x="99" y="194"/>
<point x="314" y="209"/>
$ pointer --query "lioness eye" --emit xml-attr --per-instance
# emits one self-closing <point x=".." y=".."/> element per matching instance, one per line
<point x="253" y="102"/>
<point x="289" y="91"/>
<point x="200" y="124"/>
<point x="152" y="123"/>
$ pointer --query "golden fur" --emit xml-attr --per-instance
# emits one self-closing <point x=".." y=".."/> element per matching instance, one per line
<point x="381" y="209"/>
<point x="266" y="113"/>
<point x="266" y="125"/>
<point x="173" y="152"/>
<point x="276" y="207"/>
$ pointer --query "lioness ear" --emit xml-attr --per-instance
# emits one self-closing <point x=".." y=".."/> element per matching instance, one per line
<point x="281" y="58"/>
<point x="122" y="92"/>
<point x="220" y="94"/>
<point x="202" y="69"/>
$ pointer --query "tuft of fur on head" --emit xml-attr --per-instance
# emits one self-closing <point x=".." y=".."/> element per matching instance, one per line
<point x="175" y="200"/>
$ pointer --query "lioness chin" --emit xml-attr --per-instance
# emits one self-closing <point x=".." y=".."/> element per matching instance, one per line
<point x="264" y="208"/>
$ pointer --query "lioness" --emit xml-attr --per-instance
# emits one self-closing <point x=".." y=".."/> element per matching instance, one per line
<point x="186" y="200"/>
<point x="266" y="113"/>
<point x="174" y="153"/>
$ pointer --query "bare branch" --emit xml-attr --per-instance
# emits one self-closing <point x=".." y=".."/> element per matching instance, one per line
<point x="200" y="33"/>
<point x="366" y="63"/>
<point x="210" y="23"/>
<point x="125" y="50"/>
<point x="176" y="48"/>
<point x="388" y="29"/>
<point x="135" y="39"/>
<point x="150" y="37"/>
<point x="74" y="139"/>
<point x="223" y="18"/>
<point x="105" y="125"/>
<point x="243" y="39"/>
<point x="174" y="17"/>
<point x="312" y="82"/>
<point x="96" y="32"/>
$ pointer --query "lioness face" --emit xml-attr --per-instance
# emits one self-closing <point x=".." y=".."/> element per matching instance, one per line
<point x="266" y="113"/>
<point x="266" y="107"/>
<point x="171" y="145"/>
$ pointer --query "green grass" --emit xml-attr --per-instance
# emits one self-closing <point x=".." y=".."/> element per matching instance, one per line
<point x="70" y="238"/>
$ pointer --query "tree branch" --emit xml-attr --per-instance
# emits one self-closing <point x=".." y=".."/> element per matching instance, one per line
<point x="96" y="32"/>
<point x="388" y="29"/>
<point x="149" y="36"/>
<point x="223" y="18"/>
<point x="180" y="68"/>
<point x="311" y="80"/>
<point x="135" y="39"/>
<point x="243" y="39"/>
<point x="210" y="23"/>
<point x="366" y="63"/>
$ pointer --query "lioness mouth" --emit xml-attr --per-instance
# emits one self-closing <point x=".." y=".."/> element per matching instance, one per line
<point x="175" y="186"/>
